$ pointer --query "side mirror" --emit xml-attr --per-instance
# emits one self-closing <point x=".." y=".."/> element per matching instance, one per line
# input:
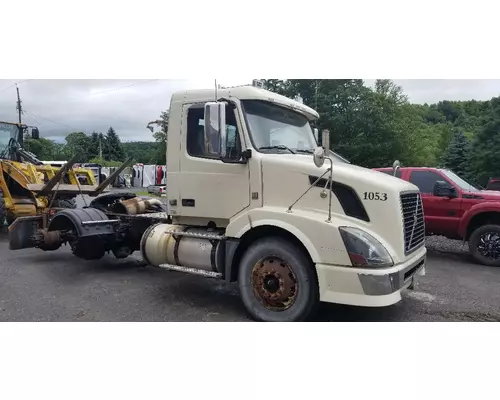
<point x="35" y="134"/>
<point x="395" y="167"/>
<point x="444" y="189"/>
<point x="215" y="128"/>
<point x="316" y="135"/>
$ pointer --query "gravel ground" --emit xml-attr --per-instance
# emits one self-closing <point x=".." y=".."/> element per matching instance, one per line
<point x="56" y="286"/>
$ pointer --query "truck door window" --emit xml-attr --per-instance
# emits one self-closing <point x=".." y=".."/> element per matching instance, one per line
<point x="196" y="146"/>
<point x="425" y="180"/>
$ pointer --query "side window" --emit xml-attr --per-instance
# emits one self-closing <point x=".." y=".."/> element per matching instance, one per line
<point x="425" y="180"/>
<point x="196" y="145"/>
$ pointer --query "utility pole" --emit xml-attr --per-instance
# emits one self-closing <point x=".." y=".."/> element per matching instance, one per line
<point x="100" y="147"/>
<point x="19" y="108"/>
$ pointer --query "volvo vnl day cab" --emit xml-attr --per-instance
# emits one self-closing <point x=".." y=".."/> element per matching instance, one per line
<point x="252" y="198"/>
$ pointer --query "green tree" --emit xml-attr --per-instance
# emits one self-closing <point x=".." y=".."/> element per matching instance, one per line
<point x="96" y="141"/>
<point x="486" y="146"/>
<point x="113" y="150"/>
<point x="391" y="91"/>
<point x="457" y="155"/>
<point x="44" y="149"/>
<point x="105" y="163"/>
<point x="161" y="138"/>
<point x="78" y="143"/>
<point x="141" y="152"/>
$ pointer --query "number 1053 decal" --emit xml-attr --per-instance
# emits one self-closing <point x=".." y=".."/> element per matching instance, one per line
<point x="375" y="196"/>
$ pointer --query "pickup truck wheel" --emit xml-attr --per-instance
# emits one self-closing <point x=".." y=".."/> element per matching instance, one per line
<point x="484" y="245"/>
<point x="277" y="282"/>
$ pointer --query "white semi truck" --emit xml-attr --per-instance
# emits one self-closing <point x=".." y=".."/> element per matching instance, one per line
<point x="252" y="198"/>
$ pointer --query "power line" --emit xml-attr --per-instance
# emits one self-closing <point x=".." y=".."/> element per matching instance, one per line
<point x="14" y="84"/>
<point x="113" y="89"/>
<point x="33" y="118"/>
<point x="48" y="119"/>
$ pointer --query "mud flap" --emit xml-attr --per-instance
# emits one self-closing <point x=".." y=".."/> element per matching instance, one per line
<point x="22" y="232"/>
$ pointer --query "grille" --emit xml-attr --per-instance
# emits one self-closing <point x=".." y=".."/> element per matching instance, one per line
<point x="413" y="221"/>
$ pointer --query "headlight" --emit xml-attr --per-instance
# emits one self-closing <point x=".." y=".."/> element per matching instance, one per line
<point x="364" y="250"/>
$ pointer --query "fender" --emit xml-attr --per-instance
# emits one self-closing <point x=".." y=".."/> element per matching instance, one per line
<point x="290" y="222"/>
<point x="473" y="211"/>
<point x="75" y="217"/>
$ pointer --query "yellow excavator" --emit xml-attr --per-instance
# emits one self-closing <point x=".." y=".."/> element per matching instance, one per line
<point x="28" y="187"/>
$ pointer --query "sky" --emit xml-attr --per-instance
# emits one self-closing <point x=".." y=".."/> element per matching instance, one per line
<point x="58" y="107"/>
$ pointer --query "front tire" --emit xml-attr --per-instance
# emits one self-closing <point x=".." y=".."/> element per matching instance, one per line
<point x="484" y="245"/>
<point x="277" y="281"/>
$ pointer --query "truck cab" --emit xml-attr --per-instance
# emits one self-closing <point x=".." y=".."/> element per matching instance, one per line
<point x="243" y="160"/>
<point x="457" y="209"/>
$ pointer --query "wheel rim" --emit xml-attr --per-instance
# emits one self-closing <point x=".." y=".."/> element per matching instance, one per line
<point x="489" y="245"/>
<point x="274" y="283"/>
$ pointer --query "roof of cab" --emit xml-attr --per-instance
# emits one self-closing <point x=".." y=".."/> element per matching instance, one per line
<point x="246" y="92"/>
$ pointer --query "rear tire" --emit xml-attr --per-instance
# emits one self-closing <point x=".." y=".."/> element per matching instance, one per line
<point x="277" y="281"/>
<point x="484" y="245"/>
<point x="64" y="203"/>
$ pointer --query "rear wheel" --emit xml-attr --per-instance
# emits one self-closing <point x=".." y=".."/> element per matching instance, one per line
<point x="484" y="245"/>
<point x="277" y="281"/>
<point x="64" y="203"/>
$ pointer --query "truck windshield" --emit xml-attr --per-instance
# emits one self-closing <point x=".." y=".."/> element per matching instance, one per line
<point x="277" y="129"/>
<point x="7" y="132"/>
<point x="461" y="183"/>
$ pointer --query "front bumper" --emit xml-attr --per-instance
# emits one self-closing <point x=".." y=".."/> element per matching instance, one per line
<point x="369" y="287"/>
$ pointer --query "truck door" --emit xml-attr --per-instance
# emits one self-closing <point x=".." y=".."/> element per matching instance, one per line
<point x="442" y="214"/>
<point x="210" y="188"/>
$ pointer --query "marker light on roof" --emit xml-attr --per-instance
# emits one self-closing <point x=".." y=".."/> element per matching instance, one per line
<point x="258" y="83"/>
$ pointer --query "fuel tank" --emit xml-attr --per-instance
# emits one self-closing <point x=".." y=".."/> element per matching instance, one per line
<point x="193" y="247"/>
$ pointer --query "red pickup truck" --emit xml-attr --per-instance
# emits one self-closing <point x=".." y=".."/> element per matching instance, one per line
<point x="457" y="209"/>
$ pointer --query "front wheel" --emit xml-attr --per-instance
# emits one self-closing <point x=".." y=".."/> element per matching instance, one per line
<point x="277" y="281"/>
<point x="484" y="245"/>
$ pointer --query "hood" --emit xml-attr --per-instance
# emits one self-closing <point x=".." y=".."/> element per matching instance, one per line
<point x="304" y="164"/>
<point x="490" y="195"/>
<point x="364" y="198"/>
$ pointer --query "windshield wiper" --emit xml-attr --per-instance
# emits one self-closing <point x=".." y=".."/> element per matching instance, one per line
<point x="279" y="147"/>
